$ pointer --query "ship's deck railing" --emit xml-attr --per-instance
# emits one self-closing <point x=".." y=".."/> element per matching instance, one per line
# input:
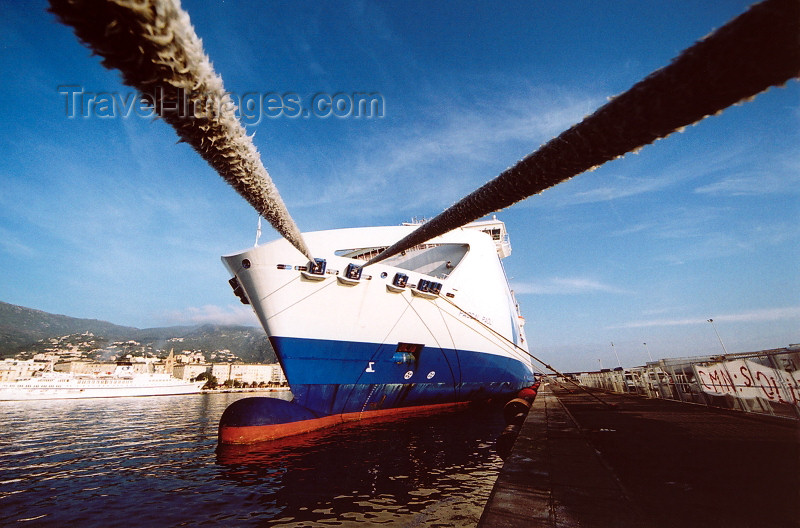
<point x="765" y="382"/>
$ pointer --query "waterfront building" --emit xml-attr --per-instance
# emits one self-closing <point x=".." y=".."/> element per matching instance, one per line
<point x="189" y="356"/>
<point x="86" y="367"/>
<point x="271" y="374"/>
<point x="187" y="371"/>
<point x="248" y="373"/>
<point x="16" y="369"/>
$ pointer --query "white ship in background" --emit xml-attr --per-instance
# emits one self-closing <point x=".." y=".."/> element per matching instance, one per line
<point x="435" y="325"/>
<point x="50" y="385"/>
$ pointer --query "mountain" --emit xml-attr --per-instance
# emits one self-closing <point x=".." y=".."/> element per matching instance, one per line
<point x="248" y="343"/>
<point x="26" y="329"/>
<point x="20" y="326"/>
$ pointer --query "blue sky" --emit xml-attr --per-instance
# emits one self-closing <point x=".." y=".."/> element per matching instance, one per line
<point x="111" y="218"/>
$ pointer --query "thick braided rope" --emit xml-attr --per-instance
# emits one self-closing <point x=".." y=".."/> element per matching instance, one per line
<point x="153" y="44"/>
<point x="757" y="50"/>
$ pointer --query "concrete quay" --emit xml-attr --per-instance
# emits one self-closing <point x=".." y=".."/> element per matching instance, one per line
<point x="629" y="461"/>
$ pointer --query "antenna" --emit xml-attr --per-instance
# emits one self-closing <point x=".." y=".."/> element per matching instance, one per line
<point x="258" y="231"/>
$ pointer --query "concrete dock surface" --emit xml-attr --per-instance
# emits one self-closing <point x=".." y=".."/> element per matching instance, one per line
<point x="628" y="461"/>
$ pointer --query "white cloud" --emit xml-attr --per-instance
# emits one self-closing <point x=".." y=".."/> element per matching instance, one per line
<point x="209" y="313"/>
<point x="564" y="286"/>
<point x="627" y="187"/>
<point x="755" y="316"/>
<point x="781" y="177"/>
<point x="9" y="243"/>
<point x="734" y="186"/>
<point x="456" y="149"/>
<point x="626" y="180"/>
<point x="634" y="229"/>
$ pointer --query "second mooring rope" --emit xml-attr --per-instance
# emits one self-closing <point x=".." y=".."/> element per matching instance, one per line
<point x="757" y="50"/>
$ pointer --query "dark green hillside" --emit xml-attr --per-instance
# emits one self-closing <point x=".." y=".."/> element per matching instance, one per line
<point x="20" y="326"/>
<point x="25" y="329"/>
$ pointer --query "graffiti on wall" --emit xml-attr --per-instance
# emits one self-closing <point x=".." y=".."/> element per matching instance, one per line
<point x="744" y="378"/>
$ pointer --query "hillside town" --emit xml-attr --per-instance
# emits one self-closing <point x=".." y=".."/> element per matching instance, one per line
<point x="83" y="354"/>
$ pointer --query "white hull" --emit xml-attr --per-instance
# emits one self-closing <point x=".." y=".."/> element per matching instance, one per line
<point x="352" y="345"/>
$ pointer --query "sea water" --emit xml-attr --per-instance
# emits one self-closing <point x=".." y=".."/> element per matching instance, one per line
<point x="154" y="461"/>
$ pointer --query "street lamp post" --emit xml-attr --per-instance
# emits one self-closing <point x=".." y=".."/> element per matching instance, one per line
<point x="718" y="337"/>
<point x="616" y="355"/>
<point x="648" y="352"/>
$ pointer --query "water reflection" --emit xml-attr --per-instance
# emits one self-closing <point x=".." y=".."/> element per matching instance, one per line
<point x="152" y="462"/>
<point x="433" y="470"/>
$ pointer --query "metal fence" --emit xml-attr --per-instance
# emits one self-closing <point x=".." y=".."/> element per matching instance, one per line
<point x="766" y="382"/>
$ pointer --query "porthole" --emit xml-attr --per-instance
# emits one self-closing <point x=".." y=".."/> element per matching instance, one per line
<point x="246" y="263"/>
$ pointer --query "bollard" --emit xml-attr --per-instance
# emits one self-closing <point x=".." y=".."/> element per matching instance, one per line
<point x="505" y="442"/>
<point x="515" y="407"/>
<point x="518" y="419"/>
<point x="528" y="394"/>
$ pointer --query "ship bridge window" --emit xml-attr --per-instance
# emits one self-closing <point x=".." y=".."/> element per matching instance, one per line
<point x="494" y="233"/>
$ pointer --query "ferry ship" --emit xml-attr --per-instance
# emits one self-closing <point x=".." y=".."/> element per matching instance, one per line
<point x="122" y="382"/>
<point x="434" y="326"/>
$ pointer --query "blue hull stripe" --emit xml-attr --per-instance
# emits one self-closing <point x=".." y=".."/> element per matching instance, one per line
<point x="334" y="377"/>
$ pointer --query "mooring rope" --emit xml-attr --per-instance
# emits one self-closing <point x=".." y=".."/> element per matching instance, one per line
<point x="153" y="44"/>
<point x="757" y="50"/>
